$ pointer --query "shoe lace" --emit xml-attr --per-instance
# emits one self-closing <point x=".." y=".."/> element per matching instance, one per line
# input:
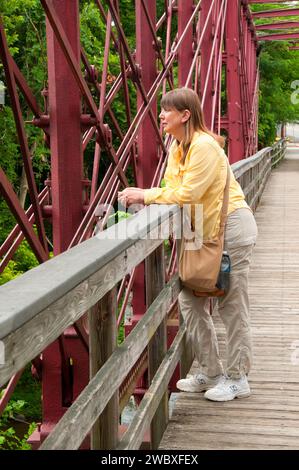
<point x="201" y="379"/>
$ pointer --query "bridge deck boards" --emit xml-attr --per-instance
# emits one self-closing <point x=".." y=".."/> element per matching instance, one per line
<point x="269" y="418"/>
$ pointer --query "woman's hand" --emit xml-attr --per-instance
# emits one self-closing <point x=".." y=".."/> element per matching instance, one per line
<point x="131" y="196"/>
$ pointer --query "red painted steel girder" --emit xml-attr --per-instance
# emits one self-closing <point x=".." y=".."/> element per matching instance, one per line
<point x="16" y="236"/>
<point x="9" y="195"/>
<point x="241" y="75"/>
<point x="279" y="37"/>
<point x="278" y="25"/>
<point x="275" y="13"/>
<point x="270" y="1"/>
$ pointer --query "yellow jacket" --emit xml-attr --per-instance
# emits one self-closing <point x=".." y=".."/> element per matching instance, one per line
<point x="200" y="180"/>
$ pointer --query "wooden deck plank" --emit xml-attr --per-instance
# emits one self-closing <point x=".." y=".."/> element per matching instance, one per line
<point x="269" y="418"/>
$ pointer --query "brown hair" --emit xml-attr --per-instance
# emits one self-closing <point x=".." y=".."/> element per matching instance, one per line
<point x="185" y="98"/>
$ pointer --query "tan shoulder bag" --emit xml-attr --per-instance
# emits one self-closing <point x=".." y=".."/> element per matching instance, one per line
<point x="199" y="269"/>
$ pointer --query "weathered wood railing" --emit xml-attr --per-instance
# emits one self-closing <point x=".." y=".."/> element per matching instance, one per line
<point x="253" y="173"/>
<point x="38" y="306"/>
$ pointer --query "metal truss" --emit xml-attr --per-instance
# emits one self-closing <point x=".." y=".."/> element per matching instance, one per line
<point x="290" y="34"/>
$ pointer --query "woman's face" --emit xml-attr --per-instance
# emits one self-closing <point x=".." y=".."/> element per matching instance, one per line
<point x="173" y="121"/>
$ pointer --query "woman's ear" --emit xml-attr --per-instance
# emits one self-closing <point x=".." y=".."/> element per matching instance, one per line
<point x="186" y="115"/>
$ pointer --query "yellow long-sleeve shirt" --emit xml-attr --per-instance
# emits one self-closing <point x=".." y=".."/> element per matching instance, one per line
<point x="200" y="180"/>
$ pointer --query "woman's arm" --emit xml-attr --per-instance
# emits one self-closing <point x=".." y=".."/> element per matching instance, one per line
<point x="136" y="195"/>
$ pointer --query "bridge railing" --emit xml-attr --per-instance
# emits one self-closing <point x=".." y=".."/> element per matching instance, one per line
<point x="253" y="173"/>
<point x="37" y="307"/>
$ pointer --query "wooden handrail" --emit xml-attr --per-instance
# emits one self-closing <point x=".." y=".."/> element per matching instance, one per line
<point x="72" y="283"/>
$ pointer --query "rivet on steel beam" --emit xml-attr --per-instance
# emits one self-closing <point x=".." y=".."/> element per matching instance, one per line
<point x="43" y="121"/>
<point x="87" y="120"/>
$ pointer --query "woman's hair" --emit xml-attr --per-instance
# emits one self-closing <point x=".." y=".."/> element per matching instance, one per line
<point x="185" y="98"/>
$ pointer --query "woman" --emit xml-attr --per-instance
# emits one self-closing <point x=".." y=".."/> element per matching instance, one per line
<point x="196" y="174"/>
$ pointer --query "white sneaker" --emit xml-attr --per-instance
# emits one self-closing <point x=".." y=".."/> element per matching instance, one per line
<point x="198" y="383"/>
<point x="228" y="389"/>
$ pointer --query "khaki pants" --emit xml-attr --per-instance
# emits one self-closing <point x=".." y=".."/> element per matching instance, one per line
<point x="240" y="238"/>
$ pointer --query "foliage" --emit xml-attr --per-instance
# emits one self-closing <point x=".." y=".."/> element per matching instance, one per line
<point x="8" y="152"/>
<point x="23" y="408"/>
<point x="29" y="390"/>
<point x="9" y="440"/>
<point x="13" y="407"/>
<point x="279" y="68"/>
<point x="24" y="260"/>
<point x="8" y="435"/>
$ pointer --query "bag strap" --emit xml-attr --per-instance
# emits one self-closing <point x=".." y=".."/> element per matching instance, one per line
<point x="224" y="209"/>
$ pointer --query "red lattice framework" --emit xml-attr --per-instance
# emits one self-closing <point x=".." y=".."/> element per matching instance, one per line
<point x="209" y="45"/>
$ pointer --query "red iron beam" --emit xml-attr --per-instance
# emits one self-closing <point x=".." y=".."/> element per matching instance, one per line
<point x="279" y="37"/>
<point x="268" y="1"/>
<point x="16" y="236"/>
<point x="275" y="13"/>
<point x="12" y="201"/>
<point x="278" y="25"/>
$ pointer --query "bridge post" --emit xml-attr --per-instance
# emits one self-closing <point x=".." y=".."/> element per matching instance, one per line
<point x="206" y="81"/>
<point x="252" y="124"/>
<point x="65" y="131"/>
<point x="102" y="343"/>
<point x="155" y="281"/>
<point x="185" y="54"/>
<point x="236" y="143"/>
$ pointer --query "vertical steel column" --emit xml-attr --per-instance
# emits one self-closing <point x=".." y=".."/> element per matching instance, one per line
<point x="185" y="55"/>
<point x="206" y="50"/>
<point x="65" y="132"/>
<point x="244" y="78"/>
<point x="251" y="71"/>
<point x="236" y="149"/>
<point x="147" y="158"/>
<point x="253" y="91"/>
<point x="66" y="183"/>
